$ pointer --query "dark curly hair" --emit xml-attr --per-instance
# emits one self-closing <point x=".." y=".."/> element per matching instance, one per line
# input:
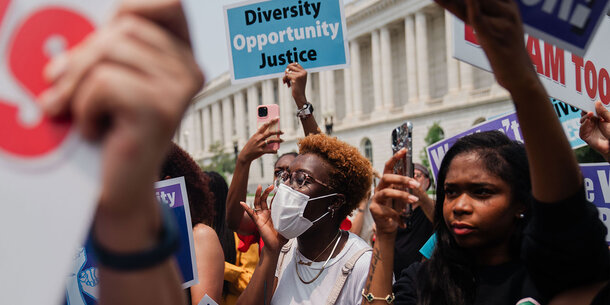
<point x="179" y="163"/>
<point x="351" y="173"/>
<point x="218" y="186"/>
<point x="448" y="277"/>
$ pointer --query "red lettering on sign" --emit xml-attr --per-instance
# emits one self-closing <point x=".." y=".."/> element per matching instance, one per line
<point x="28" y="55"/>
<point x="604" y="83"/>
<point x="578" y="65"/>
<point x="591" y="79"/>
<point x="470" y="35"/>
<point x="3" y="8"/>
<point x="554" y="63"/>
<point x="533" y="48"/>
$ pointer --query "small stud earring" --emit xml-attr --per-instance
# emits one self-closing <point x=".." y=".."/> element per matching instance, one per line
<point x="521" y="216"/>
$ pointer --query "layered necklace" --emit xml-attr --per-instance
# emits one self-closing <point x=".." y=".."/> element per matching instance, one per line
<point x="296" y="266"/>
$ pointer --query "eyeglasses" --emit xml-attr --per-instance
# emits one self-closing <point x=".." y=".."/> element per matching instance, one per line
<point x="418" y="175"/>
<point x="298" y="179"/>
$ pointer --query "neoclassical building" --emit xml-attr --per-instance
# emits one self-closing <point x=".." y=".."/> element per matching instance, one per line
<point x="401" y="69"/>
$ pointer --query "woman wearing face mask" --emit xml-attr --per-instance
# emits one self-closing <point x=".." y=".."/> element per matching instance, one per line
<point x="305" y="251"/>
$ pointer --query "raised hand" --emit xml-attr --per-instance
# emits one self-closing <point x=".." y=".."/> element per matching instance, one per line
<point x="388" y="192"/>
<point x="595" y="130"/>
<point x="257" y="145"/>
<point x="261" y="216"/>
<point x="295" y="77"/>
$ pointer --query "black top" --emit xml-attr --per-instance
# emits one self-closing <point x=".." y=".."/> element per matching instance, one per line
<point x="410" y="240"/>
<point x="563" y="247"/>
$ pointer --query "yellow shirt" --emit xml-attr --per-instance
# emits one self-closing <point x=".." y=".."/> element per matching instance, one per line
<point x="239" y="275"/>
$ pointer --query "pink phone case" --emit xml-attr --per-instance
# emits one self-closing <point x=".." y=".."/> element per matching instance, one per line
<point x="273" y="111"/>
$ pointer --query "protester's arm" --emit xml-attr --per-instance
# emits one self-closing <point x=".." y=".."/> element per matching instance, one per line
<point x="425" y="203"/>
<point x="387" y="221"/>
<point x="500" y="33"/>
<point x="296" y="78"/>
<point x="254" y="149"/>
<point x="595" y="130"/>
<point x="128" y="85"/>
<point x="210" y="264"/>
<point x="262" y="285"/>
<point x="358" y="221"/>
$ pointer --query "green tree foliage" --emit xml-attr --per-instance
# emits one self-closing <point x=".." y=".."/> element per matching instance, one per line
<point x="435" y="134"/>
<point x="587" y="155"/>
<point x="222" y="162"/>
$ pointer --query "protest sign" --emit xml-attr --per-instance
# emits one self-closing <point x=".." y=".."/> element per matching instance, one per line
<point x="569" y="117"/>
<point x="568" y="24"/>
<point x="82" y="281"/>
<point x="578" y="81"/>
<point x="597" y="190"/>
<point x="264" y="36"/>
<point x="49" y="175"/>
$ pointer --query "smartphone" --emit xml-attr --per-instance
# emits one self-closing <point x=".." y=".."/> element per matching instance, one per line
<point x="402" y="137"/>
<point x="266" y="113"/>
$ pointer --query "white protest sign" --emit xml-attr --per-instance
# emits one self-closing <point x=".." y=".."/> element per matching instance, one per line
<point x="49" y="176"/>
<point x="578" y="81"/>
<point x="207" y="301"/>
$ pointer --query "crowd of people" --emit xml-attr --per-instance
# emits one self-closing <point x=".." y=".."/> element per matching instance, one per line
<point x="508" y="225"/>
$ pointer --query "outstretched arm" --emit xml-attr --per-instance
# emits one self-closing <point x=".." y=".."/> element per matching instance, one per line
<point x="500" y="32"/>
<point x="262" y="285"/>
<point x="387" y="221"/>
<point x="131" y="98"/>
<point x="296" y="78"/>
<point x="254" y="149"/>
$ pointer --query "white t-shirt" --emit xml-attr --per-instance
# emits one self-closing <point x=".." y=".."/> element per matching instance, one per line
<point x="290" y="289"/>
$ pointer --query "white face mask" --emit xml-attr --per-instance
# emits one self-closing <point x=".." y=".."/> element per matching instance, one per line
<point x="287" y="211"/>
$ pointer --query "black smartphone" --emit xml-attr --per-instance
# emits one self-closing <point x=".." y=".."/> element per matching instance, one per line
<point x="402" y="137"/>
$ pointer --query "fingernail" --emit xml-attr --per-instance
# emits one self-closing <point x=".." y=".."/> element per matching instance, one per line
<point x="56" y="67"/>
<point x="47" y="100"/>
<point x="413" y="198"/>
<point x="414" y="183"/>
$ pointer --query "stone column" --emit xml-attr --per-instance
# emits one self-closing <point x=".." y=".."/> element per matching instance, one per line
<point x="421" y="36"/>
<point x="252" y="102"/>
<point x="267" y="88"/>
<point x="356" y="79"/>
<point x="323" y="89"/>
<point x="240" y="119"/>
<point x="377" y="81"/>
<point x="330" y="92"/>
<point x="347" y="87"/>
<point x="287" y="107"/>
<point x="207" y="128"/>
<point x="411" y="59"/>
<point x="216" y="123"/>
<point x="386" y="67"/>
<point x="466" y="76"/>
<point x="227" y="122"/>
<point x="453" y="73"/>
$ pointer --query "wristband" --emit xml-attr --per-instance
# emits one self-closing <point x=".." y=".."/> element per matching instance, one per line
<point x="169" y="240"/>
<point x="369" y="297"/>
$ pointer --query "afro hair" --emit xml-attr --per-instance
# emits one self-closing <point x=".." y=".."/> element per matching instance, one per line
<point x="351" y="173"/>
<point x="179" y="163"/>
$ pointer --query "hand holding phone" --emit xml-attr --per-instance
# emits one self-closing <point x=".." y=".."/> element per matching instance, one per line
<point x="266" y="113"/>
<point x="402" y="137"/>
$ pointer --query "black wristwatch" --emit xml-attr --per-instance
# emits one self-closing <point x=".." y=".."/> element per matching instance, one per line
<point x="305" y="112"/>
<point x="168" y="243"/>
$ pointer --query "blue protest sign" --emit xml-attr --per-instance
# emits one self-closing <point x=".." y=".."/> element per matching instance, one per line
<point x="82" y="281"/>
<point x="568" y="24"/>
<point x="506" y="123"/>
<point x="263" y="37"/>
<point x="569" y="117"/>
<point x="597" y="189"/>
